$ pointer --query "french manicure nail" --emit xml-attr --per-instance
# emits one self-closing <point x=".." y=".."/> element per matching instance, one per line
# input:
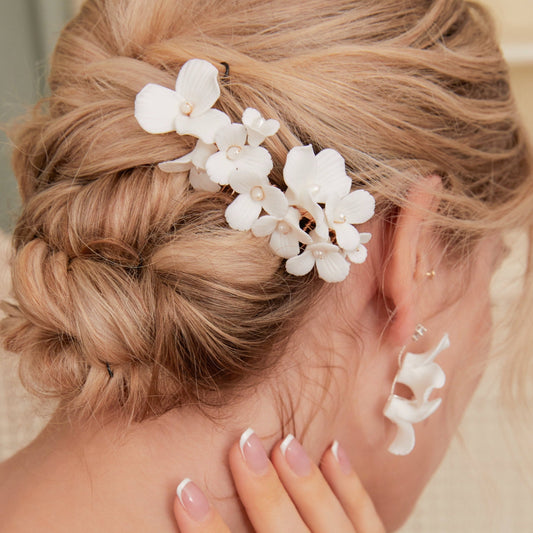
<point x="193" y="500"/>
<point x="253" y="452"/>
<point x="296" y="456"/>
<point x="341" y="457"/>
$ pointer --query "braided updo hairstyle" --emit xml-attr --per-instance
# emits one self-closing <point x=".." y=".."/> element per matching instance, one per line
<point x="133" y="294"/>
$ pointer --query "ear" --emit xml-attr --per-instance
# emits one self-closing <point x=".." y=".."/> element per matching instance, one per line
<point x="411" y="256"/>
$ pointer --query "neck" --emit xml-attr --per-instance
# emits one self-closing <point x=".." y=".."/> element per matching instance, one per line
<point x="114" y="472"/>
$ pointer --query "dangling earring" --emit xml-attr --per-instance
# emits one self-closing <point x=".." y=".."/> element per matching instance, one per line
<point x="421" y="375"/>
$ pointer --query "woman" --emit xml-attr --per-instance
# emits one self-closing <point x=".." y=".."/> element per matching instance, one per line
<point x="165" y="327"/>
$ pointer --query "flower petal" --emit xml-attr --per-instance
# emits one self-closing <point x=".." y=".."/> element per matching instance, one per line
<point x="333" y="267"/>
<point x="318" y="216"/>
<point x="270" y="127"/>
<point x="251" y="117"/>
<point x="358" y="206"/>
<point x="275" y="203"/>
<point x="285" y="244"/>
<point x="177" y="165"/>
<point x="230" y="135"/>
<point x="198" y="158"/>
<point x="200" y="181"/>
<point x="293" y="218"/>
<point x="331" y="174"/>
<point x="257" y="127"/>
<point x="299" y="168"/>
<point x="323" y="245"/>
<point x="197" y="83"/>
<point x="255" y="138"/>
<point x="365" y="237"/>
<point x="243" y="212"/>
<point x="201" y="153"/>
<point x="301" y="264"/>
<point x="347" y="236"/>
<point x="156" y="108"/>
<point x="359" y="255"/>
<point x="244" y="181"/>
<point x="264" y="226"/>
<point x="220" y="168"/>
<point x="332" y="209"/>
<point x="203" y="127"/>
<point x="255" y="160"/>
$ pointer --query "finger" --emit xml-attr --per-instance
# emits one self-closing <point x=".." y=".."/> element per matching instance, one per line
<point x="351" y="493"/>
<point x="267" y="503"/>
<point x="311" y="493"/>
<point x="193" y="512"/>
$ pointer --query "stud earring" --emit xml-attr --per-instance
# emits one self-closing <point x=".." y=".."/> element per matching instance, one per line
<point x="430" y="274"/>
<point x="421" y="374"/>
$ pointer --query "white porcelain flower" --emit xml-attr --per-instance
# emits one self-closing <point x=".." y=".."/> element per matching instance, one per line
<point x="201" y="181"/>
<point x="285" y="233"/>
<point x="255" y="194"/>
<point x="354" y="208"/>
<point x="229" y="154"/>
<point x="330" y="262"/>
<point x="186" y="110"/>
<point x="360" y="254"/>
<point x="235" y="156"/>
<point x="195" y="162"/>
<point x="313" y="179"/>
<point x="257" y="127"/>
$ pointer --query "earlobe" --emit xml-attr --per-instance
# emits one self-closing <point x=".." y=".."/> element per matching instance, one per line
<point x="410" y="257"/>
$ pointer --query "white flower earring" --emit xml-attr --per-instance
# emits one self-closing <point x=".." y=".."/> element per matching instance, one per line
<point x="421" y="374"/>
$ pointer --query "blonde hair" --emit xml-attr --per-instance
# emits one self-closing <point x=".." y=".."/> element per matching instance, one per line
<point x="117" y="262"/>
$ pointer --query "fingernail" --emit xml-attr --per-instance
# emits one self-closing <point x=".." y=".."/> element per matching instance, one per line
<point x="341" y="457"/>
<point x="253" y="452"/>
<point x="296" y="456"/>
<point x="193" y="500"/>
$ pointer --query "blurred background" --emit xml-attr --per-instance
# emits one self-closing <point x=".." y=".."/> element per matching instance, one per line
<point x="481" y="486"/>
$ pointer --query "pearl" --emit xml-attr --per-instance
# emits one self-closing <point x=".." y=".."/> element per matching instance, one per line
<point x="314" y="188"/>
<point x="233" y="152"/>
<point x="318" y="254"/>
<point x="283" y="228"/>
<point x="186" y="108"/>
<point x="340" y="218"/>
<point x="257" y="194"/>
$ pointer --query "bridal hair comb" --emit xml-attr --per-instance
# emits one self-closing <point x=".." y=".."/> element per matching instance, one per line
<point x="310" y="223"/>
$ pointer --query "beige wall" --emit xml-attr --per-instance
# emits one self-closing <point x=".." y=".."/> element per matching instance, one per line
<point x="522" y="82"/>
<point x="514" y="19"/>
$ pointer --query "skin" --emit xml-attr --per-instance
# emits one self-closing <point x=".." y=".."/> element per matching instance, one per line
<point x="85" y="476"/>
<point x="331" y="498"/>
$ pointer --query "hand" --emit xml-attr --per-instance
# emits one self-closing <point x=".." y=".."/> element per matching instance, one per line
<point x="288" y="494"/>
